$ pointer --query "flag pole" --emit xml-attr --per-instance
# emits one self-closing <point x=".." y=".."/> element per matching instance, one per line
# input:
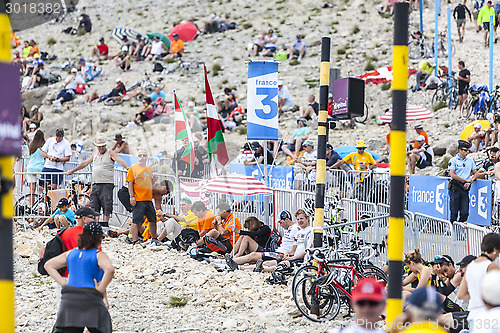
<point x="266" y="197"/>
<point x="177" y="178"/>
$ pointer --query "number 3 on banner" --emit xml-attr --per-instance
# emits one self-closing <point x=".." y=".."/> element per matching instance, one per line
<point x="270" y="93"/>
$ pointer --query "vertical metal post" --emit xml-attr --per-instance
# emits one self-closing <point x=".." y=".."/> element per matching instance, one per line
<point x="436" y="35"/>
<point x="450" y="56"/>
<point x="266" y="197"/>
<point x="6" y="204"/>
<point x="421" y="8"/>
<point x="490" y="84"/>
<point x="398" y="159"/>
<point x="319" y="212"/>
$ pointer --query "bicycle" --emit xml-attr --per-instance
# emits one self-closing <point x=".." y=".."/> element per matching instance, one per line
<point x="445" y="93"/>
<point x="147" y="85"/>
<point x="117" y="100"/>
<point x="367" y="188"/>
<point x="420" y="49"/>
<point x="364" y="117"/>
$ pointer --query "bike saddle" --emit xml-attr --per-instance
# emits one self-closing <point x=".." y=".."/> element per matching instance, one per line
<point x="353" y="254"/>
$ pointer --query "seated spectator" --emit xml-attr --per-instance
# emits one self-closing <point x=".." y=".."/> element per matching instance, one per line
<point x="258" y="155"/>
<point x="193" y="115"/>
<point x="173" y="224"/>
<point x="35" y="118"/>
<point x="226" y="227"/>
<point x="311" y="111"/>
<point x="162" y="108"/>
<point x="146" y="113"/>
<point x="119" y="90"/>
<point x="271" y="44"/>
<point x="70" y="85"/>
<point x="298" y="136"/>
<point x="422" y="156"/>
<point x="227" y="105"/>
<point x="246" y="154"/>
<point x="212" y="24"/>
<point x="34" y="52"/>
<point x="258" y="46"/>
<point x="85" y="23"/>
<point x="310" y="157"/>
<point x="16" y="58"/>
<point x="285" y="102"/>
<point x="140" y="44"/>
<point x="40" y="76"/>
<point x="332" y="157"/>
<point x="476" y="139"/>
<point x="488" y="167"/>
<point x="420" y="131"/>
<point x="176" y="48"/>
<point x="122" y="59"/>
<point x="158" y="93"/>
<point x="24" y="60"/>
<point x="100" y="51"/>
<point x="253" y="240"/>
<point x="298" y="48"/>
<point x="89" y="71"/>
<point x="205" y="217"/>
<point x="425" y="69"/>
<point x="158" y="49"/>
<point x="121" y="146"/>
<point x="62" y="217"/>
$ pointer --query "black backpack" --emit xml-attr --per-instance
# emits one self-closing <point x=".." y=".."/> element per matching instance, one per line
<point x="53" y="248"/>
<point x="158" y="67"/>
<point x="186" y="238"/>
<point x="124" y="198"/>
<point x="274" y="240"/>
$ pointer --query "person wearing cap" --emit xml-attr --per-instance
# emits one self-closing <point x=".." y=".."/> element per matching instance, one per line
<point x="140" y="181"/>
<point x="298" y="48"/>
<point x="308" y="160"/>
<point x="158" y="49"/>
<point x="476" y="139"/>
<point x="193" y="115"/>
<point x="101" y="50"/>
<point x="122" y="59"/>
<point x="173" y="224"/>
<point x="484" y="17"/>
<point x="461" y="167"/>
<point x="299" y="135"/>
<point x="35" y="119"/>
<point x="287" y="241"/>
<point x="83" y="299"/>
<point x="62" y="217"/>
<point x="332" y="157"/>
<point x="368" y="301"/>
<point x="158" y="93"/>
<point x="103" y="162"/>
<point x="258" y="155"/>
<point x="470" y="288"/>
<point x="176" y="48"/>
<point x="56" y="152"/>
<point x="162" y="108"/>
<point x="119" y="90"/>
<point x="420" y="131"/>
<point x="85" y="24"/>
<point x="424" y="70"/>
<point x="140" y="45"/>
<point x="121" y="146"/>
<point x="70" y="84"/>
<point x="422" y="156"/>
<point x="310" y="112"/>
<point x="227" y="105"/>
<point x="360" y="159"/>
<point x="88" y="71"/>
<point x="489" y="320"/>
<point x="285" y="102"/>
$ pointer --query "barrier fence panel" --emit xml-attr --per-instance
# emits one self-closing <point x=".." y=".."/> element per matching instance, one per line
<point x="469" y="238"/>
<point x="358" y="210"/>
<point x="433" y="236"/>
<point x="369" y="186"/>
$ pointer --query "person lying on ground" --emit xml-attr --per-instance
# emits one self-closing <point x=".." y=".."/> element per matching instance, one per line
<point x="69" y="90"/>
<point x="62" y="217"/>
<point x="146" y="113"/>
<point x="100" y="51"/>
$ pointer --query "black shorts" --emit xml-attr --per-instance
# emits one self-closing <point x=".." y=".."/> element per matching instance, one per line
<point x="463" y="90"/>
<point x="143" y="117"/>
<point x="423" y="163"/>
<point x="226" y="242"/>
<point x="52" y="178"/>
<point x="101" y="196"/>
<point x="486" y="26"/>
<point x="141" y="209"/>
<point x="43" y="80"/>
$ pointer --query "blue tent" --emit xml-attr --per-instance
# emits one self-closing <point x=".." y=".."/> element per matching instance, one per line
<point x="343" y="151"/>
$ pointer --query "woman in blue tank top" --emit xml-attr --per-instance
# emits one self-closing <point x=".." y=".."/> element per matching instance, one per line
<point x="90" y="272"/>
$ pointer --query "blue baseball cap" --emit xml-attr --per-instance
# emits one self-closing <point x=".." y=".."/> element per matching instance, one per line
<point x="81" y="60"/>
<point x="285" y="215"/>
<point x="426" y="299"/>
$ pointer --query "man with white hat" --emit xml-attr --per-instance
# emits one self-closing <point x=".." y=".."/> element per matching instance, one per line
<point x="69" y="90"/>
<point x="476" y="139"/>
<point x="122" y="59"/>
<point x="103" y="161"/>
<point x="421" y="156"/>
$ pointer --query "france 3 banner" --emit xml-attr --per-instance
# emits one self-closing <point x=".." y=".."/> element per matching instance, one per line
<point x="262" y="100"/>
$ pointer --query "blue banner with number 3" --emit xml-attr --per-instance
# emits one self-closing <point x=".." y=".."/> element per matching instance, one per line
<point x="262" y="100"/>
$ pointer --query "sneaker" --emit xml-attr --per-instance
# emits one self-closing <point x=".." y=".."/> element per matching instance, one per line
<point x="231" y="264"/>
<point x="129" y="240"/>
<point x="113" y="234"/>
<point x="259" y="267"/>
<point x="152" y="241"/>
<point x="57" y="103"/>
<point x="192" y="249"/>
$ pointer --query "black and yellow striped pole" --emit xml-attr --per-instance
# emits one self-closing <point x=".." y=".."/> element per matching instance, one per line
<point x="324" y="81"/>
<point x="6" y="204"/>
<point x="398" y="159"/>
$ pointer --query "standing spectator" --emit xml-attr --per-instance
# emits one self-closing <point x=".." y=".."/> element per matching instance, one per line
<point x="460" y="19"/>
<point x="122" y="59"/>
<point x="368" y="302"/>
<point x="311" y="111"/>
<point x="62" y="217"/>
<point x="90" y="272"/>
<point x="121" y="146"/>
<point x="103" y="163"/>
<point x="271" y="43"/>
<point x="476" y="139"/>
<point x="56" y="151"/>
<point x="101" y="51"/>
<point x="35" y="162"/>
<point x="70" y="85"/>
<point x="463" y="83"/>
<point x="140" y="188"/>
<point x="484" y="17"/>
<point x="422" y="156"/>
<point x="299" y="135"/>
<point x="176" y="48"/>
<point x="181" y="167"/>
<point x="258" y="46"/>
<point x="461" y="166"/>
<point x="470" y="288"/>
<point x="285" y="102"/>
<point x="298" y="48"/>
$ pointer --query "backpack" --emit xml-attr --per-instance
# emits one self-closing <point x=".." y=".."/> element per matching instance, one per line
<point x="186" y="238"/>
<point x="274" y="240"/>
<point x="53" y="248"/>
<point x="158" y="67"/>
<point x="214" y="245"/>
<point x="124" y="198"/>
<point x="80" y="89"/>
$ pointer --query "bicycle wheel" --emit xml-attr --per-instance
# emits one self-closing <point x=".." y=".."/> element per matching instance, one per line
<point x="439" y="96"/>
<point x="362" y="119"/>
<point x="375" y="272"/>
<point x="307" y="293"/>
<point x="113" y="101"/>
<point x="134" y="86"/>
<point x="416" y="50"/>
<point x="308" y="270"/>
<point x="32" y="205"/>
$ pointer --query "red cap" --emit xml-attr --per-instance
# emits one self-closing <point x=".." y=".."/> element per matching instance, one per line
<point x="369" y="289"/>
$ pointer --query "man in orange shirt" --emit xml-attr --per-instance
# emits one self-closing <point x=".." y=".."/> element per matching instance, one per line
<point x="420" y="131"/>
<point x="176" y="48"/>
<point x="226" y="227"/>
<point x="205" y="217"/>
<point x="140" y="188"/>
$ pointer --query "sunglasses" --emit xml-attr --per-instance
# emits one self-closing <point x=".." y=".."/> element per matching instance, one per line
<point x="142" y="155"/>
<point x="367" y="302"/>
<point x="361" y="148"/>
<point x="465" y="149"/>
